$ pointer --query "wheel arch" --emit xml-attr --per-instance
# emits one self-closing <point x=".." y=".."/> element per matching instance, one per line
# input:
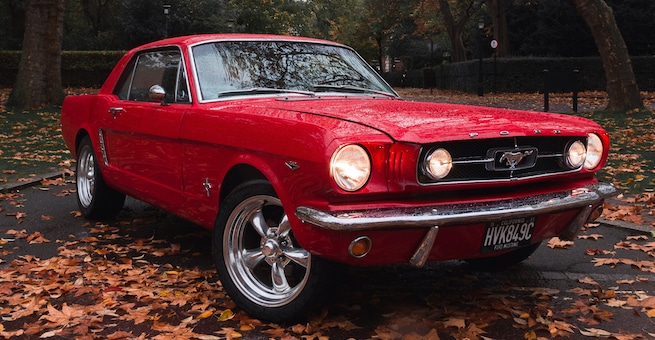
<point x="238" y="174"/>
<point x="81" y="133"/>
<point x="252" y="170"/>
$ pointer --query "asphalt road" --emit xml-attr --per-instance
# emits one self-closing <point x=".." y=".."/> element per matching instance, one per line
<point x="387" y="302"/>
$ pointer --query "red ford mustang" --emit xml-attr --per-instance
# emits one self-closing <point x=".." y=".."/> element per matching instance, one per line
<point x="298" y="155"/>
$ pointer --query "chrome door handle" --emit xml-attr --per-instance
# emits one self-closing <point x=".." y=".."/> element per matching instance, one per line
<point x="115" y="111"/>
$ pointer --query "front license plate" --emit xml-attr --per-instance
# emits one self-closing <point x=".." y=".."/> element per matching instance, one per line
<point x="508" y="234"/>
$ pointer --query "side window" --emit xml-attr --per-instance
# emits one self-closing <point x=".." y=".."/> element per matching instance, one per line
<point x="161" y="67"/>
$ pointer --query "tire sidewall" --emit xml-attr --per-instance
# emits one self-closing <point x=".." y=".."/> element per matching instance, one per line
<point x="105" y="202"/>
<point x="303" y="303"/>
<point x="85" y="148"/>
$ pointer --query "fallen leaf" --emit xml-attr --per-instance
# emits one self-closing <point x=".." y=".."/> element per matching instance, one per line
<point x="226" y="315"/>
<point x="588" y="280"/>
<point x="206" y="314"/>
<point x="555" y="242"/>
<point x="455" y="322"/>
<point x="595" y="333"/>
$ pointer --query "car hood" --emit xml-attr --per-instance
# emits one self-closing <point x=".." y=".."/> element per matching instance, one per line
<point x="423" y="122"/>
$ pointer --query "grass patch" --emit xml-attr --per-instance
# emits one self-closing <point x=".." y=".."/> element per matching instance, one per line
<point x="31" y="144"/>
<point x="631" y="163"/>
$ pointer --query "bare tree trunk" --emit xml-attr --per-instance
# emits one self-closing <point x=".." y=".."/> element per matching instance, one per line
<point x="499" y="22"/>
<point x="380" y="54"/>
<point x="622" y="86"/>
<point x="456" y="27"/>
<point x="38" y="81"/>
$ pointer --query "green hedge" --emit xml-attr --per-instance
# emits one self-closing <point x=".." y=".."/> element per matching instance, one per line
<point x="90" y="68"/>
<point x="519" y="74"/>
<point x="79" y="68"/>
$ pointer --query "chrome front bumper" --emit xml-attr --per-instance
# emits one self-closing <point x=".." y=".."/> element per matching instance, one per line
<point x="443" y="215"/>
<point x="432" y="218"/>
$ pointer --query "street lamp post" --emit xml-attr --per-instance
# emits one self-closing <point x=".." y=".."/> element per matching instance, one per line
<point x="167" y="9"/>
<point x="480" y="27"/>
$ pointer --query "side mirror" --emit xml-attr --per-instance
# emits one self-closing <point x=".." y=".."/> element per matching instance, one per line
<point x="156" y="93"/>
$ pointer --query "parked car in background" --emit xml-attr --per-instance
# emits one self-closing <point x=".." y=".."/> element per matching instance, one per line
<point x="298" y="155"/>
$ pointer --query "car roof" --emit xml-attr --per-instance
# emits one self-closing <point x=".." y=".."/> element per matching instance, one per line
<point x="199" y="38"/>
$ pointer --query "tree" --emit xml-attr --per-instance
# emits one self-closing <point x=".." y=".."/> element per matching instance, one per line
<point x="548" y="29"/>
<point x="141" y="22"/>
<point x="381" y="19"/>
<point x="12" y="14"/>
<point x="335" y="20"/>
<point x="38" y="81"/>
<point x="456" y="26"/>
<point x="274" y="16"/>
<point x="622" y="88"/>
<point x="499" y="24"/>
<point x="394" y="26"/>
<point x="634" y="18"/>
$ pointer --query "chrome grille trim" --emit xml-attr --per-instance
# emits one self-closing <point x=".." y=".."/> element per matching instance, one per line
<point x="473" y="161"/>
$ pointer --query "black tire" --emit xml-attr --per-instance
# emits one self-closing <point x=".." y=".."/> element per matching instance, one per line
<point x="503" y="261"/>
<point x="259" y="262"/>
<point x="95" y="199"/>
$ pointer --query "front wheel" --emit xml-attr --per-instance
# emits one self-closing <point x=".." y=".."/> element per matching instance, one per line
<point x="95" y="199"/>
<point x="259" y="262"/>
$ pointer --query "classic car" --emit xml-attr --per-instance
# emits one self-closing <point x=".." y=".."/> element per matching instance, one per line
<point x="298" y="155"/>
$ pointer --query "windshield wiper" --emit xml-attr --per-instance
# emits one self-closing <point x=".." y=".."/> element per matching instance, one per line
<point x="262" y="90"/>
<point x="350" y="88"/>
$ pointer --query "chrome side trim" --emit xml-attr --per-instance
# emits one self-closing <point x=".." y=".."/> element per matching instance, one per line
<point x="103" y="150"/>
<point x="443" y="215"/>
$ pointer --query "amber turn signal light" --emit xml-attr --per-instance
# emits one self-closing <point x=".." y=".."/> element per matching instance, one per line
<point x="360" y="246"/>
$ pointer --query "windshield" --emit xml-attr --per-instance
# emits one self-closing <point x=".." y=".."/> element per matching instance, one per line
<point x="254" y="67"/>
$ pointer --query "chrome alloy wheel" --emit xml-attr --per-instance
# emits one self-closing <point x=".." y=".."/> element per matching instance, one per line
<point x="86" y="176"/>
<point x="262" y="257"/>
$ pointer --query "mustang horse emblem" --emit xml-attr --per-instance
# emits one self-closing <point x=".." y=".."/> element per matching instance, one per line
<point x="513" y="158"/>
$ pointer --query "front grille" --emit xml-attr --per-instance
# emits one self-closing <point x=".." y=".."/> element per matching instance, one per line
<point x="482" y="160"/>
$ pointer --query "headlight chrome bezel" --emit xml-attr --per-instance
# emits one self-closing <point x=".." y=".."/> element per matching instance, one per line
<point x="437" y="163"/>
<point x="575" y="155"/>
<point x="350" y="167"/>
<point x="595" y="150"/>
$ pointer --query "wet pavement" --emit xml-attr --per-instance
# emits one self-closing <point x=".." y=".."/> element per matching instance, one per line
<point x="604" y="281"/>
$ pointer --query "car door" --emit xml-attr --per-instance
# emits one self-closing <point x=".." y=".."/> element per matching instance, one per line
<point x="141" y="130"/>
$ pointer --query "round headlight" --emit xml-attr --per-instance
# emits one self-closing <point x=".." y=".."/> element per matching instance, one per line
<point x="438" y="163"/>
<point x="594" y="151"/>
<point x="576" y="154"/>
<point x="350" y="167"/>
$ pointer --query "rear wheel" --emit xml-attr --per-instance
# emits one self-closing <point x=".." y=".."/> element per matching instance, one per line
<point x="503" y="261"/>
<point x="261" y="265"/>
<point x="95" y="199"/>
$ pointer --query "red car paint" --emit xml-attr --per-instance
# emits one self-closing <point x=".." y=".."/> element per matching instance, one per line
<point x="187" y="157"/>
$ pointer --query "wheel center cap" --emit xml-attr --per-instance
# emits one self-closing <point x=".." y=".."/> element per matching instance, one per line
<point x="270" y="248"/>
